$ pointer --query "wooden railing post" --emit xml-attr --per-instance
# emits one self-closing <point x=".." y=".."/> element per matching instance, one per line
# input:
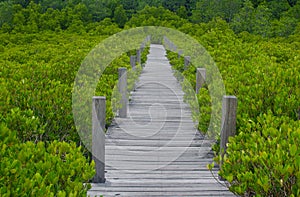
<point x="179" y="53"/>
<point x="142" y="46"/>
<point x="138" y="56"/>
<point x="187" y="60"/>
<point x="170" y="45"/>
<point x="132" y="61"/>
<point x="228" y="126"/>
<point x="200" y="78"/>
<point x="123" y="92"/>
<point x="98" y="137"/>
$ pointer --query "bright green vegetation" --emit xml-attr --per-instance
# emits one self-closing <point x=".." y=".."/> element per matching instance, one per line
<point x="37" y="76"/>
<point x="268" y="18"/>
<point x="255" y="44"/>
<point x="33" y="169"/>
<point x="263" y="158"/>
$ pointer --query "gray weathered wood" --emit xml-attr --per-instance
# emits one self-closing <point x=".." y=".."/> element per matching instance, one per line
<point x="228" y="127"/>
<point x="98" y="137"/>
<point x="157" y="150"/>
<point x="138" y="56"/>
<point x="132" y="61"/>
<point x="142" y="47"/>
<point x="123" y="91"/>
<point x="179" y="53"/>
<point x="187" y="60"/>
<point x="174" y="47"/>
<point x="200" y="78"/>
<point x="206" y="193"/>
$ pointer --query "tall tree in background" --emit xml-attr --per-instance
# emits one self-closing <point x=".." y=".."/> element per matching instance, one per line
<point x="182" y="12"/>
<point x="100" y="9"/>
<point x="33" y="13"/>
<point x="190" y="5"/>
<point x="262" y="21"/>
<point x="242" y="21"/>
<point x="253" y="20"/>
<point x="23" y="3"/>
<point x="292" y="2"/>
<point x="287" y="23"/>
<point x="120" y="16"/>
<point x="6" y="13"/>
<point x="52" y="4"/>
<point x="278" y="7"/>
<point x="206" y="10"/>
<point x="294" y="12"/>
<point x="151" y="3"/>
<point x="82" y="13"/>
<point x="129" y="4"/>
<point x="255" y="3"/>
<point x="228" y="8"/>
<point x="172" y="5"/>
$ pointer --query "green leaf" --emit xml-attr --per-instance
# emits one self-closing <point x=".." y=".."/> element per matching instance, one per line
<point x="293" y="150"/>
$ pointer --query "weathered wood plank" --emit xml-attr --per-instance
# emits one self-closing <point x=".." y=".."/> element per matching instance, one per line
<point x="228" y="122"/>
<point x="123" y="91"/>
<point x="163" y="193"/>
<point x="161" y="177"/>
<point x="199" y="173"/>
<point x="98" y="146"/>
<point x="200" y="188"/>
<point x="156" y="150"/>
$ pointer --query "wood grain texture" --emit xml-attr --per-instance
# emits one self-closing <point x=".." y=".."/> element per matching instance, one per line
<point x="98" y="143"/>
<point x="156" y="150"/>
<point x="123" y="91"/>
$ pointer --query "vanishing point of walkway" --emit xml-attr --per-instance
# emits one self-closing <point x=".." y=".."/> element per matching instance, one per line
<point x="156" y="150"/>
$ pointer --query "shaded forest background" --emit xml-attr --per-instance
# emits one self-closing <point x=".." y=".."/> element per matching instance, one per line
<point x="268" y="18"/>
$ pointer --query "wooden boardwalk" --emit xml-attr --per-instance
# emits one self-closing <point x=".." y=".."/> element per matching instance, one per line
<point x="156" y="150"/>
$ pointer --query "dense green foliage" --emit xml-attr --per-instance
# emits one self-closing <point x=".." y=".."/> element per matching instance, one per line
<point x="37" y="76"/>
<point x="268" y="18"/>
<point x="37" y="73"/>
<point x="263" y="159"/>
<point x="42" y="45"/>
<point x="52" y="169"/>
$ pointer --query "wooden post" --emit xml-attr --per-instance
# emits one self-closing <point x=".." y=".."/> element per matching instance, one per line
<point x="138" y="56"/>
<point x="98" y="137"/>
<point x="166" y="42"/>
<point x="179" y="53"/>
<point x="132" y="61"/>
<point x="142" y="47"/>
<point x="123" y="92"/>
<point x="148" y="38"/>
<point x="187" y="60"/>
<point x="228" y="126"/>
<point x="174" y="47"/>
<point x="200" y="78"/>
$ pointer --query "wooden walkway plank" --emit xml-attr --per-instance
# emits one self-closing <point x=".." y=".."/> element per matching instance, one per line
<point x="156" y="150"/>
